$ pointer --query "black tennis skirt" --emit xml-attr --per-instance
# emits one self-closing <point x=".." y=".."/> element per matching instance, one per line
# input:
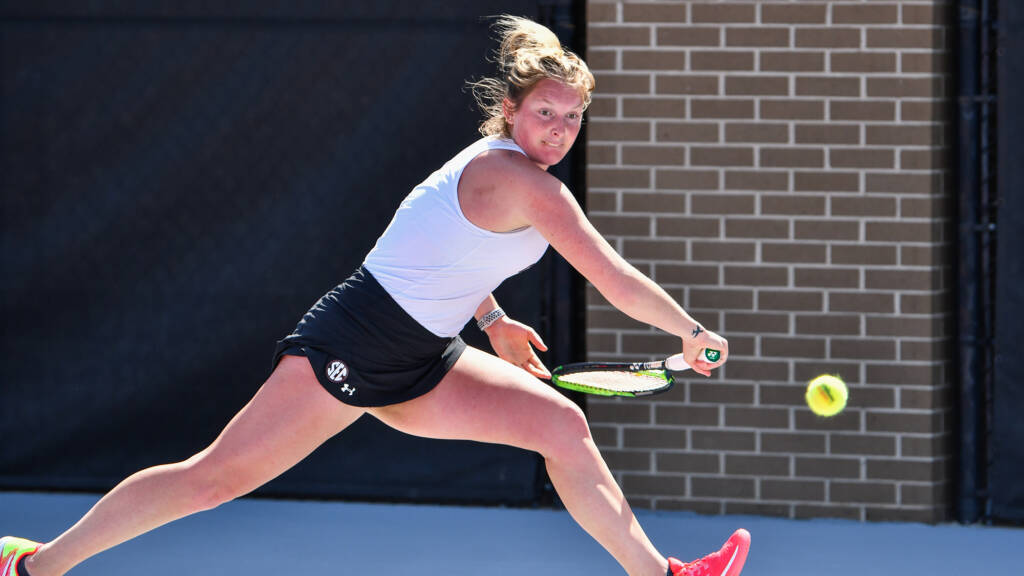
<point x="365" y="349"/>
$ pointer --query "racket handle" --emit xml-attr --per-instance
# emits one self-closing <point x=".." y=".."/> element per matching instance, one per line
<point x="677" y="364"/>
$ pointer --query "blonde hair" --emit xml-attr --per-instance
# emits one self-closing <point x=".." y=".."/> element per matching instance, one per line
<point x="528" y="53"/>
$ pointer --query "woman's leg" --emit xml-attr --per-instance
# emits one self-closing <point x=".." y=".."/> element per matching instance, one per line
<point x="487" y="399"/>
<point x="286" y="420"/>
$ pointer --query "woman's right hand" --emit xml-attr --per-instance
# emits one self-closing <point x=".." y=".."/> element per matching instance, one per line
<point x="693" y="350"/>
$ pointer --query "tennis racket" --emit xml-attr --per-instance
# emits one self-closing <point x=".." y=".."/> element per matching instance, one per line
<point x="630" y="379"/>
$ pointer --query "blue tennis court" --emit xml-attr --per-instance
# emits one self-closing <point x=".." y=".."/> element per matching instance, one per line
<point x="262" y="536"/>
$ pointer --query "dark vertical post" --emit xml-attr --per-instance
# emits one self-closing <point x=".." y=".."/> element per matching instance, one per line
<point x="968" y="510"/>
<point x="1007" y="439"/>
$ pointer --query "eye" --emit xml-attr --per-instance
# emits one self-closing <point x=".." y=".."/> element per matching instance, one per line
<point x="573" y="116"/>
<point x="545" y="112"/>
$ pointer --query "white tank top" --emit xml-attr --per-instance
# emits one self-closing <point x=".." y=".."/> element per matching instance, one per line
<point x="435" y="263"/>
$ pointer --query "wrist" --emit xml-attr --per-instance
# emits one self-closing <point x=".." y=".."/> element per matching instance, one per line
<point x="696" y="331"/>
<point x="497" y="327"/>
<point x="488" y="320"/>
<point x="688" y="329"/>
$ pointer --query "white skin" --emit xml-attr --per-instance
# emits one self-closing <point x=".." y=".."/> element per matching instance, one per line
<point x="483" y="398"/>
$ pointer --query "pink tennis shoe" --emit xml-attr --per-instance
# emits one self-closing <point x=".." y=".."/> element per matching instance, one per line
<point x="726" y="562"/>
<point x="12" y="550"/>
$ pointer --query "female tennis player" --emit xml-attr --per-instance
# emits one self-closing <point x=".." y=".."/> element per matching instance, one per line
<point x="385" y="342"/>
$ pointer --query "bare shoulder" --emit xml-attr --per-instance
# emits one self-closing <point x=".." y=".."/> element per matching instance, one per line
<point x="505" y="168"/>
<point x="498" y="187"/>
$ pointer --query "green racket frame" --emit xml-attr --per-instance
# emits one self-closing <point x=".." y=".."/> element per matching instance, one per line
<point x="655" y="369"/>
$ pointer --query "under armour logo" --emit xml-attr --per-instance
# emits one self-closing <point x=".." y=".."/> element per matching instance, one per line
<point x="337" y="371"/>
<point x="349" y="389"/>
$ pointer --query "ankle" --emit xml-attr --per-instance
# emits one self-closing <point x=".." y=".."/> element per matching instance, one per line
<point x="33" y="567"/>
<point x="655" y="567"/>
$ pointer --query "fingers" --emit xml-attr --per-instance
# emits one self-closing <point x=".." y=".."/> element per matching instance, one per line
<point x="512" y="347"/>
<point x="536" y="341"/>
<point x="536" y="367"/>
<point x="703" y="367"/>
<point x="699" y="362"/>
<point x="536" y="372"/>
<point x="707" y="365"/>
<point x="723" y="350"/>
<point x="714" y="342"/>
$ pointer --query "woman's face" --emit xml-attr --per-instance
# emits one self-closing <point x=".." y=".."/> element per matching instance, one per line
<point x="546" y="123"/>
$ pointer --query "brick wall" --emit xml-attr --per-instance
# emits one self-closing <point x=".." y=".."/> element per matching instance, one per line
<point x="780" y="168"/>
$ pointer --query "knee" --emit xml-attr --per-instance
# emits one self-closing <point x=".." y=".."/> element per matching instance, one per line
<point x="567" y="434"/>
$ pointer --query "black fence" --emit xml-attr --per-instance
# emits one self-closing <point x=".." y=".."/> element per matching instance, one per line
<point x="180" y="182"/>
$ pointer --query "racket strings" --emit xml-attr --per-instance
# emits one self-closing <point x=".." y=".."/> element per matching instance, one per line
<point x="617" y="381"/>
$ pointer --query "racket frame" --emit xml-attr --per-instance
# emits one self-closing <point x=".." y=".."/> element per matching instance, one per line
<point x="663" y="370"/>
<point x="658" y="367"/>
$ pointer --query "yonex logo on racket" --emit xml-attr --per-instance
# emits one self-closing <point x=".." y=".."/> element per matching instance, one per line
<point x="337" y="371"/>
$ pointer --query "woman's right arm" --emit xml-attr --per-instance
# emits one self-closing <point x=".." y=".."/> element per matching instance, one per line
<point x="549" y="206"/>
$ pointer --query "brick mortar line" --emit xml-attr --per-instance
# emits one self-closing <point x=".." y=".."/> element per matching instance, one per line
<point x="773" y="72"/>
<point x="817" y="97"/>
<point x="602" y="331"/>
<point x="802" y="431"/>
<point x="789" y="266"/>
<point x="780" y="216"/>
<point x="709" y="122"/>
<point x="678" y="192"/>
<point x="675" y="25"/>
<point x="758" y="146"/>
<point x="598" y="94"/>
<point x="775" y="169"/>
<point x="887" y="505"/>
<point x="774" y="49"/>
<point x="792" y="46"/>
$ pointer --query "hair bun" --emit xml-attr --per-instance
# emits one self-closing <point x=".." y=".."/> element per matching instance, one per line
<point x="527" y="53"/>
<point x="523" y="38"/>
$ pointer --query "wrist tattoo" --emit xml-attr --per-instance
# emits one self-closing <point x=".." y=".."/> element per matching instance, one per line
<point x="697" y="331"/>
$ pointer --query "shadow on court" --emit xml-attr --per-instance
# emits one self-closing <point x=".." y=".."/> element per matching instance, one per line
<point x="257" y="536"/>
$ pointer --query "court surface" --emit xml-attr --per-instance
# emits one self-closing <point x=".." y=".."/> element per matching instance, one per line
<point x="254" y="537"/>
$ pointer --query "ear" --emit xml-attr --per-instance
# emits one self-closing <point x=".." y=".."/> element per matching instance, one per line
<point x="508" y="109"/>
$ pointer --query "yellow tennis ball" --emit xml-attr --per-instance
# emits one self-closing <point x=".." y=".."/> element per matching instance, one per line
<point x="826" y="395"/>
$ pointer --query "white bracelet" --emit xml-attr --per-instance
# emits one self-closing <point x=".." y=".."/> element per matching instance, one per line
<point x="489" y="318"/>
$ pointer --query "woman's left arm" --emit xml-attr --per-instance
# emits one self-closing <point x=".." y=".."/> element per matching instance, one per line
<point x="513" y="341"/>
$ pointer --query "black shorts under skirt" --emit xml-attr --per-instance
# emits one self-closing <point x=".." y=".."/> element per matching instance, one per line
<point x="365" y="349"/>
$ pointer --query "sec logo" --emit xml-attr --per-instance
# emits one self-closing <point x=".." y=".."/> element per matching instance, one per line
<point x="337" y="371"/>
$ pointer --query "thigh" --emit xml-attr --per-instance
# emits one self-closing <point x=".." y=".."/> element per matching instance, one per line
<point x="288" y="418"/>
<point x="486" y="399"/>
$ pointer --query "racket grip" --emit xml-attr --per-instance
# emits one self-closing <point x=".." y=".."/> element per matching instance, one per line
<point x="677" y="364"/>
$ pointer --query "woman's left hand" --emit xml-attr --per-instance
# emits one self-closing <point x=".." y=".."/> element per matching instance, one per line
<point x="512" y="341"/>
